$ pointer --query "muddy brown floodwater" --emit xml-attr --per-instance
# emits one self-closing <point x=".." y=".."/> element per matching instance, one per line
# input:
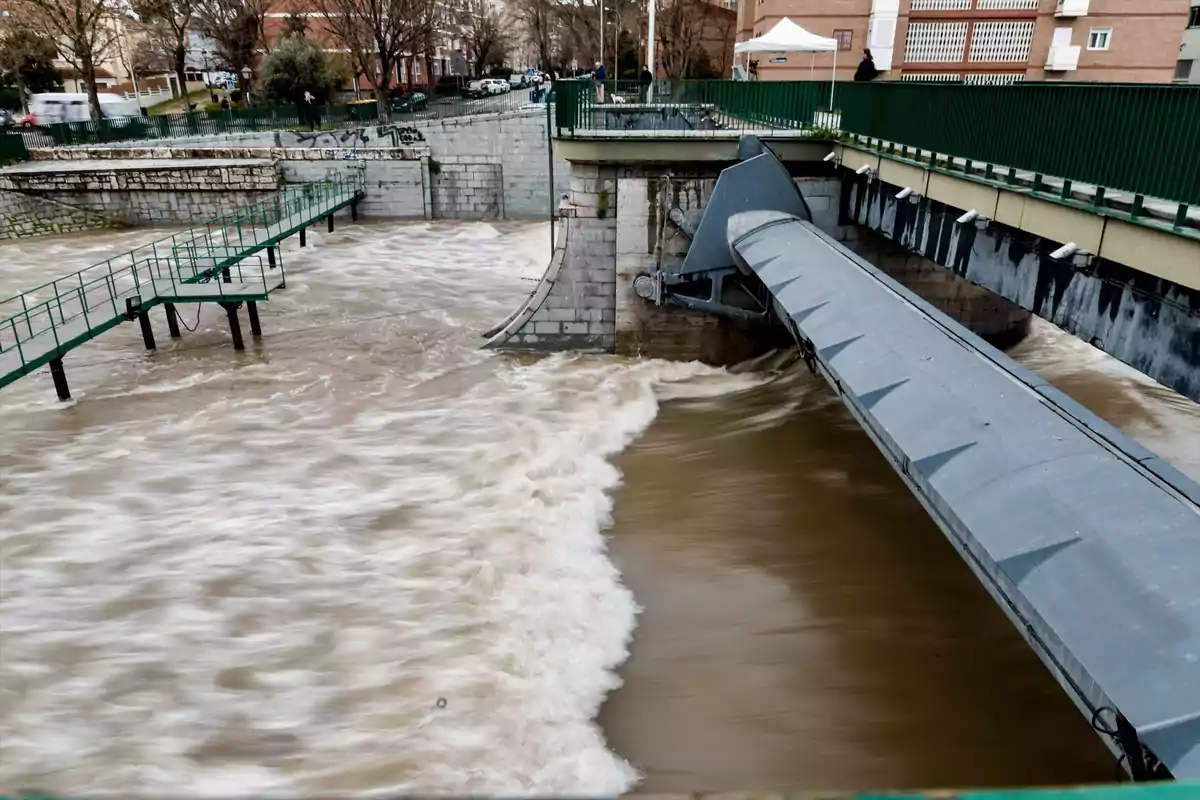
<point x="806" y="625"/>
<point x="365" y="555"/>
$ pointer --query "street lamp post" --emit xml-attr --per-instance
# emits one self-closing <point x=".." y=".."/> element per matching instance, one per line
<point x="246" y="78"/>
<point x="650" y="53"/>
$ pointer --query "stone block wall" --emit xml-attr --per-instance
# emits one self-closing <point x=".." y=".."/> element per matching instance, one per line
<point x="464" y="188"/>
<point x="515" y="141"/>
<point x="154" y="195"/>
<point x="393" y="188"/>
<point x="23" y="216"/>
<point x="574" y="306"/>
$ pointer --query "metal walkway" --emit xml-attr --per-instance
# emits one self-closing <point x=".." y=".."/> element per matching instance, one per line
<point x="219" y="261"/>
<point x="1087" y="541"/>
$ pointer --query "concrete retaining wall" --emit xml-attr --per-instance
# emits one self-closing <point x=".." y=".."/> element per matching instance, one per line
<point x="574" y="305"/>
<point x="23" y="216"/>
<point x="467" y="189"/>
<point x="1149" y="323"/>
<point x="153" y="194"/>
<point x="510" y="150"/>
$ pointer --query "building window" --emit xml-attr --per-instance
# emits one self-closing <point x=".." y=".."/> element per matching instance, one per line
<point x="1183" y="69"/>
<point x="1001" y="41"/>
<point x="844" y="39"/>
<point x="1099" y="38"/>
<point x="995" y="78"/>
<point x="935" y="42"/>
<point x="1194" y="17"/>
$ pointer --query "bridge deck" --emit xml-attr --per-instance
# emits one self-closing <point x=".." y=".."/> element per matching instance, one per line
<point x="1089" y="542"/>
<point x="184" y="268"/>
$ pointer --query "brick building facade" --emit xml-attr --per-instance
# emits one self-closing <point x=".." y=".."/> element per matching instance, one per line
<point x="980" y="41"/>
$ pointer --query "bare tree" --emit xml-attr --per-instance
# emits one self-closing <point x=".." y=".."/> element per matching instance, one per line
<point x="236" y="29"/>
<point x="84" y="31"/>
<point x="724" y="29"/>
<point x="25" y="52"/>
<point x="539" y="21"/>
<point x="486" y="36"/>
<point x="166" y="25"/>
<point x="679" y="31"/>
<point x="578" y="29"/>
<point x="377" y="33"/>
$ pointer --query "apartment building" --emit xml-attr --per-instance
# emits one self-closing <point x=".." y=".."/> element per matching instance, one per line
<point x="1187" y="68"/>
<point x="981" y="41"/>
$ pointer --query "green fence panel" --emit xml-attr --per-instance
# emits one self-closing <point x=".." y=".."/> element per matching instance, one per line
<point x="1143" y="139"/>
<point x="569" y="106"/>
<point x="12" y="148"/>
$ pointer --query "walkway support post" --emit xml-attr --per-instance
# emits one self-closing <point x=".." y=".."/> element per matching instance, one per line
<point x="235" y="325"/>
<point x="147" y="331"/>
<point x="172" y="320"/>
<point x="354" y="210"/>
<point x="252" y="312"/>
<point x="60" y="379"/>
<point x="330" y="219"/>
<point x="302" y="240"/>
<point x="271" y="257"/>
<point x="225" y="276"/>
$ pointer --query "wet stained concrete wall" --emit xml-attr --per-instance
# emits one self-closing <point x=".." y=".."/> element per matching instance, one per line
<point x="1149" y="323"/>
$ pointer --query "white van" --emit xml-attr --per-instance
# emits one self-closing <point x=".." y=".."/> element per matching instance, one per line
<point x="51" y="107"/>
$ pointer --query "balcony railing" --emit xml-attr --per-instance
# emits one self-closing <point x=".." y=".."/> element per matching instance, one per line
<point x="1140" y="139"/>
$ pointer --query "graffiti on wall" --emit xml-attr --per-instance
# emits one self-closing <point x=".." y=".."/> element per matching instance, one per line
<point x="378" y="136"/>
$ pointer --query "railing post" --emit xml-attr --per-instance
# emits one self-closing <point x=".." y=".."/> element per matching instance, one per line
<point x="25" y="310"/>
<point x="58" y="298"/>
<point x="20" y="353"/>
<point x="53" y="327"/>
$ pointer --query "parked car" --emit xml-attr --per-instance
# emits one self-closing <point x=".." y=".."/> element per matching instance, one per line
<point x="475" y="88"/>
<point x="497" y="85"/>
<point x="517" y="81"/>
<point x="7" y="118"/>
<point x="409" y="101"/>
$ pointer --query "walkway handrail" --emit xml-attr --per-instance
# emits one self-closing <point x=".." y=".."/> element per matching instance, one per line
<point x="95" y="294"/>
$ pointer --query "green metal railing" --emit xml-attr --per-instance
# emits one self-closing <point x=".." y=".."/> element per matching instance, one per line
<point x="1142" y="139"/>
<point x="691" y="105"/>
<point x="1138" y="138"/>
<point x="12" y="149"/>
<point x="251" y="120"/>
<point x="40" y="324"/>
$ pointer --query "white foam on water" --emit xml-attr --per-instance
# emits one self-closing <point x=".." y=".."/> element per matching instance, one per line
<point x="319" y="574"/>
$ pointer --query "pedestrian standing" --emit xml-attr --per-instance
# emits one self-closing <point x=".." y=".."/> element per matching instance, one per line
<point x="866" y="68"/>
<point x="600" y="76"/>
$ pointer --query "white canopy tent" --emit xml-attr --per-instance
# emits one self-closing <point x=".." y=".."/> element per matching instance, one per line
<point x="788" y="37"/>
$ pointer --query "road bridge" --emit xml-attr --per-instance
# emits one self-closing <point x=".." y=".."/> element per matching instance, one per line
<point x="220" y="261"/>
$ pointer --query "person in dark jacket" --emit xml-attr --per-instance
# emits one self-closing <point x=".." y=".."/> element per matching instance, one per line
<point x="866" y="68"/>
<point x="600" y="76"/>
<point x="644" y="81"/>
